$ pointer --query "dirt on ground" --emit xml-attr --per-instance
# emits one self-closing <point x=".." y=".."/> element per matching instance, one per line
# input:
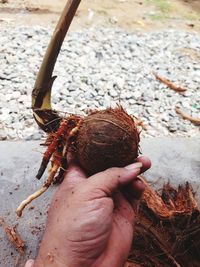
<point x="129" y="14"/>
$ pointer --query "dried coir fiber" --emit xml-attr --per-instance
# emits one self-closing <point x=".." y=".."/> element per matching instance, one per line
<point x="107" y="138"/>
<point x="167" y="229"/>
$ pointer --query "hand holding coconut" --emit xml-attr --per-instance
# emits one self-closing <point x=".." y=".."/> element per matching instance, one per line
<point x="90" y="221"/>
<point x="102" y="139"/>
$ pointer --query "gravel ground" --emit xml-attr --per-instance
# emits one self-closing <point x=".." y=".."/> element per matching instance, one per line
<point x="101" y="67"/>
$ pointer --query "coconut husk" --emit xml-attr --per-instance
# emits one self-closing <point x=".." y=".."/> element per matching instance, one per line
<point x="167" y="232"/>
<point x="105" y="139"/>
<point x="13" y="236"/>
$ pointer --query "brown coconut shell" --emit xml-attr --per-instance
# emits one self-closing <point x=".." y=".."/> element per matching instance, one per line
<point x="107" y="139"/>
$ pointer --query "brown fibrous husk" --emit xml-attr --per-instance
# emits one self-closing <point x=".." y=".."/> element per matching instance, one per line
<point x="167" y="232"/>
<point x="13" y="236"/>
<point x="107" y="138"/>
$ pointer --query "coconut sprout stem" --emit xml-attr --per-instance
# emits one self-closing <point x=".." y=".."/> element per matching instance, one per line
<point x="41" y="94"/>
<point x="39" y="192"/>
<point x="48" y="64"/>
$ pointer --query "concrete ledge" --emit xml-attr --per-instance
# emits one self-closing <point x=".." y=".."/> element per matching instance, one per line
<point x="173" y="159"/>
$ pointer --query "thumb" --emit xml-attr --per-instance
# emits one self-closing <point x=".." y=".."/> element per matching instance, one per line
<point x="111" y="179"/>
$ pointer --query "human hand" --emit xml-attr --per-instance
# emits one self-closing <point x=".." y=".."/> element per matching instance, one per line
<point x="90" y="221"/>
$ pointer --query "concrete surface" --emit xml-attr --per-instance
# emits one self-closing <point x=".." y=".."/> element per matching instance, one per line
<point x="176" y="160"/>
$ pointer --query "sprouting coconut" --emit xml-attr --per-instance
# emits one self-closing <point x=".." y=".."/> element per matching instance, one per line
<point x="103" y="139"/>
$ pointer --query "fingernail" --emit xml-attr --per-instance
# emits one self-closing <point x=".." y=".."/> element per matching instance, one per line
<point x="29" y="263"/>
<point x="134" y="166"/>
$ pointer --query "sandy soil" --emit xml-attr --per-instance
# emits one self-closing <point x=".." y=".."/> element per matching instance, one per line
<point x="131" y="14"/>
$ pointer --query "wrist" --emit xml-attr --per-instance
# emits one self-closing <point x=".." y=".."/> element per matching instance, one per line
<point x="55" y="258"/>
<point x="50" y="254"/>
<point x="53" y="253"/>
<point x="48" y="260"/>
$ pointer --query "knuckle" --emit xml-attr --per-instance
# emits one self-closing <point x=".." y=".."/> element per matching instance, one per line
<point x="112" y="170"/>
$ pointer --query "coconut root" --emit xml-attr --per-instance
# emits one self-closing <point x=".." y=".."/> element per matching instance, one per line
<point x="58" y="148"/>
<point x="39" y="192"/>
<point x="66" y="126"/>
